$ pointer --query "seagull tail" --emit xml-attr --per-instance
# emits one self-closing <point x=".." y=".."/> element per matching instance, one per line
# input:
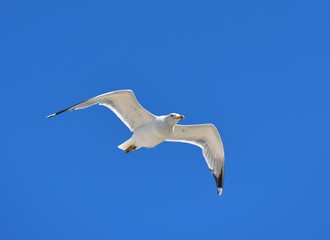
<point x="125" y="145"/>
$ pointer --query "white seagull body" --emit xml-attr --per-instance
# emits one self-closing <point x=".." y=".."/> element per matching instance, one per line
<point x="150" y="130"/>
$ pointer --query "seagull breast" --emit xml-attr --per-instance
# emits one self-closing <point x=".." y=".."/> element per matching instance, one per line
<point x="153" y="133"/>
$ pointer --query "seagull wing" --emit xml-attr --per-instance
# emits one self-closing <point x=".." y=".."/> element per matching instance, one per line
<point x="207" y="137"/>
<point x="123" y="103"/>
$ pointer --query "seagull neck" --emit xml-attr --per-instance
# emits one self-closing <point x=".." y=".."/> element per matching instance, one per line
<point x="162" y="127"/>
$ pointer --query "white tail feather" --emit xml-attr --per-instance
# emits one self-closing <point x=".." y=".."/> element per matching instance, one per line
<point x="125" y="145"/>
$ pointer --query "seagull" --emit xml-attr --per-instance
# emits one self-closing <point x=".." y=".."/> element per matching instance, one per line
<point x="150" y="130"/>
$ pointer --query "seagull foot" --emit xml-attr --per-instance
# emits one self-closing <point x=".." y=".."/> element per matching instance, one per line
<point x="130" y="148"/>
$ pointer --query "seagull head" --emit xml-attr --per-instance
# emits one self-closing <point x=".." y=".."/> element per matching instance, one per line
<point x="174" y="118"/>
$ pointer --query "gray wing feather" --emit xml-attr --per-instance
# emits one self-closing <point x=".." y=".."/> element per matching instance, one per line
<point x="123" y="103"/>
<point x="207" y="137"/>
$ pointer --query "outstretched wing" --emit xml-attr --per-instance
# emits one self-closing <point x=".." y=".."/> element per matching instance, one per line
<point x="207" y="137"/>
<point x="123" y="103"/>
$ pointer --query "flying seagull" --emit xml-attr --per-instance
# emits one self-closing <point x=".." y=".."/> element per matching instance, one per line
<point x="150" y="130"/>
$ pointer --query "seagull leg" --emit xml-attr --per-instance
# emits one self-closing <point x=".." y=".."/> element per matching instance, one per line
<point x="130" y="148"/>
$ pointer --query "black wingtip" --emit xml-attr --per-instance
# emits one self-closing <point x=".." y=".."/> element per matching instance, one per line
<point x="59" y="112"/>
<point x="219" y="181"/>
<point x="51" y="115"/>
<point x="65" y="110"/>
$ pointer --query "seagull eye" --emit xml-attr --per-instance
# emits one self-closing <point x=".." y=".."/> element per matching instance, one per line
<point x="172" y="115"/>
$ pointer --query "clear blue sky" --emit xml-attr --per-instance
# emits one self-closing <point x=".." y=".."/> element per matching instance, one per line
<point x="258" y="70"/>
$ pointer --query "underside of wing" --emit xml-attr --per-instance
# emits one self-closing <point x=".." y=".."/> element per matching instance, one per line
<point x="207" y="137"/>
<point x="123" y="103"/>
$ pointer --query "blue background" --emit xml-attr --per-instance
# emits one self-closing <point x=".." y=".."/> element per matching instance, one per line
<point x="258" y="70"/>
